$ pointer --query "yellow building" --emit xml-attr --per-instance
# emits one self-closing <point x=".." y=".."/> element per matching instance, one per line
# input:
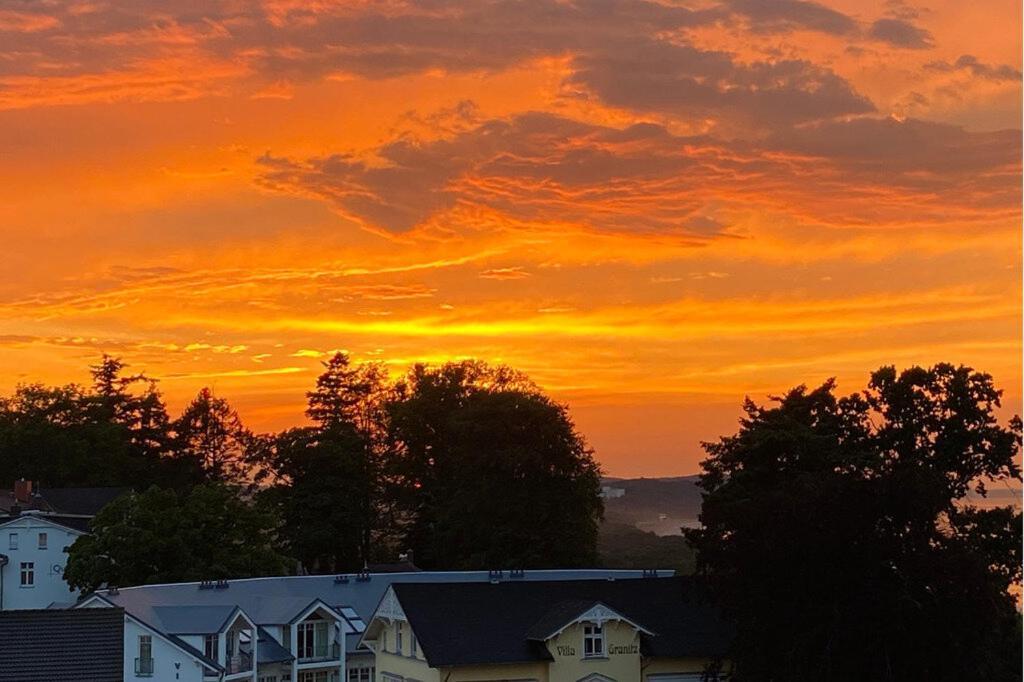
<point x="647" y="630"/>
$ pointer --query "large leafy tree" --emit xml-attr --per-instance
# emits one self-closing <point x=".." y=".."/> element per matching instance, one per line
<point x="838" y="532"/>
<point x="167" y="536"/>
<point x="489" y="472"/>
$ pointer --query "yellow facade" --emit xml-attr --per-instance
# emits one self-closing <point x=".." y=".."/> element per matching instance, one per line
<point x="621" y="662"/>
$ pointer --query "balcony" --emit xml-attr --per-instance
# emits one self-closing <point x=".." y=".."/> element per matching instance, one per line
<point x="143" y="667"/>
<point x="239" y="663"/>
<point x="325" y="652"/>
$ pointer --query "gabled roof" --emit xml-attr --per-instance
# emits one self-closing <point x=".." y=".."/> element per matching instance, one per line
<point x="565" y="613"/>
<point x="78" y="524"/>
<point x="81" y="645"/>
<point x="481" y="623"/>
<point x="276" y="600"/>
<point x="86" y="501"/>
<point x="73" y="501"/>
<point x="313" y="606"/>
<point x="201" y="657"/>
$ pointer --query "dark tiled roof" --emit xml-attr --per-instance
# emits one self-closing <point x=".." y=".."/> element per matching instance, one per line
<point x="464" y="624"/>
<point x="85" y="501"/>
<point x="78" y="645"/>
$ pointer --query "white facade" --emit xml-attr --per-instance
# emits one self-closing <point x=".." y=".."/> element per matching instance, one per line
<point x="166" y="662"/>
<point x="33" y="577"/>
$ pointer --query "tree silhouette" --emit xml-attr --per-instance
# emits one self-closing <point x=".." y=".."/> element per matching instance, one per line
<point x="837" y="532"/>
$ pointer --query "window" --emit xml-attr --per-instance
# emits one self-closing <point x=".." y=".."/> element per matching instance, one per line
<point x="268" y="678"/>
<point x="360" y="674"/>
<point x="12" y="541"/>
<point x="28" y="574"/>
<point x="398" y="639"/>
<point x="383" y="640"/>
<point x="144" y="663"/>
<point x="593" y="640"/>
<point x="42" y="541"/>
<point x="353" y="618"/>
<point x="312" y="639"/>
<point x="413" y="644"/>
<point x="210" y="645"/>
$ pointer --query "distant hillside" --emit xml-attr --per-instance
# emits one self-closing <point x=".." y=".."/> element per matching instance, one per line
<point x="659" y="505"/>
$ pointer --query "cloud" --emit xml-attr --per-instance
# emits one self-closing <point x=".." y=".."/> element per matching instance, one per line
<point x="516" y="272"/>
<point x="900" y="33"/>
<point x="970" y="63"/>
<point x="788" y="15"/>
<point x="556" y="173"/>
<point x="666" y="77"/>
<point x="531" y="168"/>
<point x="147" y="51"/>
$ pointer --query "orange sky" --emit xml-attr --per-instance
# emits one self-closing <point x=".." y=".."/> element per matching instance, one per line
<point x="653" y="208"/>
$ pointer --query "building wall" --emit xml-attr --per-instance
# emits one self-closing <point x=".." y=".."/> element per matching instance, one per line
<point x="620" y="662"/>
<point x="49" y="563"/>
<point x="402" y="664"/>
<point x="170" y="664"/>
<point x="515" y="672"/>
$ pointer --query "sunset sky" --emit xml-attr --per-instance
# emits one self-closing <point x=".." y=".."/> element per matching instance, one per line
<point x="654" y="208"/>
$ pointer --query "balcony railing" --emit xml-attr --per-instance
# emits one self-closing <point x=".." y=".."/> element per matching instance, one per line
<point x="327" y="652"/>
<point x="143" y="667"/>
<point x="239" y="663"/>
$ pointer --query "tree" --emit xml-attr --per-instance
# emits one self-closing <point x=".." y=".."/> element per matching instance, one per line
<point x="209" y="437"/>
<point x="326" y="478"/>
<point x="166" y="536"/>
<point x="114" y="433"/>
<point x="489" y="472"/>
<point x="321" y="497"/>
<point x="837" y="533"/>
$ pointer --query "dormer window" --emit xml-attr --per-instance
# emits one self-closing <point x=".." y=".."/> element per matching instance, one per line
<point x="593" y="640"/>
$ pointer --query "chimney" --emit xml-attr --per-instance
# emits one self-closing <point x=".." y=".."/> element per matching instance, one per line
<point x="23" y="491"/>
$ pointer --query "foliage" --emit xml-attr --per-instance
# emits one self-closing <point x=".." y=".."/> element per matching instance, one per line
<point x="837" y="534"/>
<point x="322" y="497"/>
<point x="210" y="439"/>
<point x="162" y="535"/>
<point x="325" y="480"/>
<point x="490" y="472"/>
<point x="114" y="433"/>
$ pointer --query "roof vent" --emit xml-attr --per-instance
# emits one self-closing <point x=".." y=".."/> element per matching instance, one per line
<point x="340" y="579"/>
<point x="516" y="573"/>
<point x="222" y="584"/>
<point x="206" y="585"/>
<point x="650" y="573"/>
<point x="363" y="576"/>
<point x="112" y="590"/>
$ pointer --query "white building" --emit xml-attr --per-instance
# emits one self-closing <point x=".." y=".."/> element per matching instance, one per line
<point x="32" y="560"/>
<point x="36" y="528"/>
<point x="278" y="629"/>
